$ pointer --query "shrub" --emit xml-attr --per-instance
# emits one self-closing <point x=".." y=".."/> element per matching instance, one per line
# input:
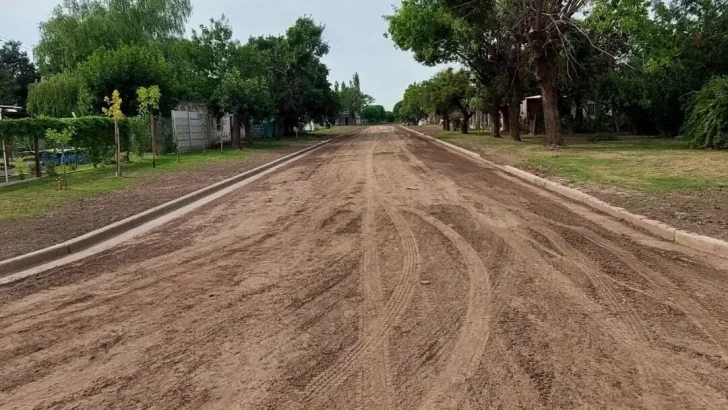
<point x="21" y="171"/>
<point x="707" y="118"/>
<point x="50" y="168"/>
<point x="28" y="158"/>
<point x="140" y="140"/>
<point x="602" y="137"/>
<point x="94" y="133"/>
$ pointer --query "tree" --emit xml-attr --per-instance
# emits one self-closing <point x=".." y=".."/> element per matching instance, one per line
<point x="373" y="114"/>
<point x="61" y="138"/>
<point x="545" y="24"/>
<point x="212" y="54"/>
<point x="16" y="72"/>
<point x="246" y="97"/>
<point x="412" y="108"/>
<point x="707" y="121"/>
<point x="125" y="70"/>
<point x="148" y="100"/>
<point x="300" y="90"/>
<point x="60" y="95"/>
<point x="78" y="28"/>
<point x="114" y="112"/>
<point x="472" y="33"/>
<point x="449" y="91"/>
<point x="352" y="98"/>
<point x="397" y="111"/>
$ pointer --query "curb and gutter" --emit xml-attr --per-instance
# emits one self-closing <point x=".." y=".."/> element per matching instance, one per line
<point x="93" y="238"/>
<point x="692" y="240"/>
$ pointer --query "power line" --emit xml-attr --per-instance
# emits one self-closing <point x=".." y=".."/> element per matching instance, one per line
<point x="5" y="39"/>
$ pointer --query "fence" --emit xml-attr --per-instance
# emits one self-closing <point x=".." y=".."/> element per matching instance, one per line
<point x="192" y="130"/>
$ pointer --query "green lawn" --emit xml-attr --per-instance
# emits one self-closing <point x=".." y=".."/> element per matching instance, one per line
<point x="644" y="164"/>
<point x="35" y="198"/>
<point x="322" y="132"/>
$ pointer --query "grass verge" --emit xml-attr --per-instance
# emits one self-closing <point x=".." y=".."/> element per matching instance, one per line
<point x="630" y="163"/>
<point x="36" y="197"/>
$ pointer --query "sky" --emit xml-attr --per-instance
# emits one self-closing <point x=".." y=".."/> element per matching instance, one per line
<point x="354" y="31"/>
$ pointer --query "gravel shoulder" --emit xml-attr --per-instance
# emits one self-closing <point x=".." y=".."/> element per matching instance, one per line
<point x="379" y="272"/>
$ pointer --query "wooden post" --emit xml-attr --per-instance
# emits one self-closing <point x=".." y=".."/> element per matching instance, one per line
<point x="38" y="171"/>
<point x="189" y="129"/>
<point x="118" y="148"/>
<point x="176" y="137"/>
<point x="64" y="186"/>
<point x="154" y="141"/>
<point x="5" y="163"/>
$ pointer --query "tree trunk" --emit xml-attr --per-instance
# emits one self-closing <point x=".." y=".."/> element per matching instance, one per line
<point x="235" y="132"/>
<point x="550" y="101"/>
<point x="506" y="117"/>
<point x="465" y="126"/>
<point x="38" y="171"/>
<point x="495" y="123"/>
<point x="514" y="108"/>
<point x="248" y="134"/>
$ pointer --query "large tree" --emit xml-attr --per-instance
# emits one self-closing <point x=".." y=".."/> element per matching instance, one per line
<point x="473" y="33"/>
<point x="16" y="72"/>
<point x="244" y="91"/>
<point x="351" y="96"/>
<point x="373" y="114"/>
<point x="300" y="90"/>
<point x="78" y="28"/>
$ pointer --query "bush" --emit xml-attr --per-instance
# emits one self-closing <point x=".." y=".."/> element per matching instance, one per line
<point x="21" y="171"/>
<point x="28" y="158"/>
<point x="50" y="168"/>
<point x="140" y="139"/>
<point x="602" y="137"/>
<point x="95" y="133"/>
<point x="707" y="116"/>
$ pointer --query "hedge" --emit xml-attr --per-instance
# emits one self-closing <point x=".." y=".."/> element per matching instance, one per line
<point x="95" y="134"/>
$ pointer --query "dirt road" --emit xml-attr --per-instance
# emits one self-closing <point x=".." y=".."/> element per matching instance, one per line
<point x="381" y="272"/>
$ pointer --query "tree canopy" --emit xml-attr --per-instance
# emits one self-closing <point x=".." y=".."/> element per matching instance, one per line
<point x="16" y="72"/>
<point x="78" y="28"/>
<point x="641" y="63"/>
<point x="89" y="48"/>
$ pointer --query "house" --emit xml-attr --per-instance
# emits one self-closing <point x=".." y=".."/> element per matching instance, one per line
<point x="348" y="119"/>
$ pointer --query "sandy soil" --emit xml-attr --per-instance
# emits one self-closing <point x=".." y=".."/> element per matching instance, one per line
<point x="78" y="217"/>
<point x="381" y="272"/>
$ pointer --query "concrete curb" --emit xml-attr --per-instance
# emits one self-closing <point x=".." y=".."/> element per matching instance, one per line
<point x="42" y="256"/>
<point x="657" y="228"/>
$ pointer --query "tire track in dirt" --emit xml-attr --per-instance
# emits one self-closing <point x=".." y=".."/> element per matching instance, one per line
<point x="665" y="291"/>
<point x="651" y="370"/>
<point x="447" y="390"/>
<point x="376" y="378"/>
<point x="393" y="310"/>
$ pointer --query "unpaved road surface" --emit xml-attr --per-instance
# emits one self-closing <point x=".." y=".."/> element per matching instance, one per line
<point x="380" y="272"/>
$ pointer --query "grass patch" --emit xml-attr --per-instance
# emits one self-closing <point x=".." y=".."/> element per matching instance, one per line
<point x="36" y="198"/>
<point x="635" y="163"/>
<point x="330" y="132"/>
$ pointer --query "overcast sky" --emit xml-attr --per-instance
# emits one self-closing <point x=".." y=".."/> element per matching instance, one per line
<point x="354" y="30"/>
